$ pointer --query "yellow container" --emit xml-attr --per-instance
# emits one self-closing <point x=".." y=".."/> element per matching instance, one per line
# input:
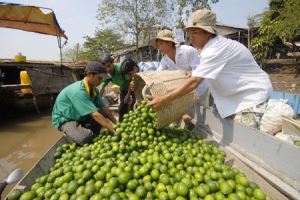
<point x="25" y="79"/>
<point x="20" y="58"/>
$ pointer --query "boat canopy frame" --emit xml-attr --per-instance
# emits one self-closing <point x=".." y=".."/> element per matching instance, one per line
<point x="32" y="19"/>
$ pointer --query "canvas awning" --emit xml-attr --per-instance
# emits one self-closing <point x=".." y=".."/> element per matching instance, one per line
<point x="30" y="18"/>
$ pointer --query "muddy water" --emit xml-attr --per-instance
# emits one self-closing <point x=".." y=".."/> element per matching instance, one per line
<point x="23" y="141"/>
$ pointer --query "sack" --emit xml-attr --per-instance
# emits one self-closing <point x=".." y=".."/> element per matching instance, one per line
<point x="272" y="119"/>
<point x="160" y="83"/>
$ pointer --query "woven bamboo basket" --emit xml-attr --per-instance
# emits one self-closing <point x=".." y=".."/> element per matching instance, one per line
<point x="160" y="83"/>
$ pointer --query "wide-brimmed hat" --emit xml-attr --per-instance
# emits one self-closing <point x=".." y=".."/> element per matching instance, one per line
<point x="166" y="35"/>
<point x="203" y="19"/>
<point x="96" y="67"/>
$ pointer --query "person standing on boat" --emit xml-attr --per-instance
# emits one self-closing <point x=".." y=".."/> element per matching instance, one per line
<point x="79" y="110"/>
<point x="121" y="75"/>
<point x="238" y="85"/>
<point x="180" y="57"/>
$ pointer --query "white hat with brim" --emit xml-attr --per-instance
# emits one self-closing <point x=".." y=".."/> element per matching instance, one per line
<point x="203" y="19"/>
<point x="165" y="35"/>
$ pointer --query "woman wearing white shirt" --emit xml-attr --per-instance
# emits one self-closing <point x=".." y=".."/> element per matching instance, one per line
<point x="180" y="57"/>
<point x="235" y="80"/>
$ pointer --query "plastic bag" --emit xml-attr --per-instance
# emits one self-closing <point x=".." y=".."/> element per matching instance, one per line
<point x="272" y="118"/>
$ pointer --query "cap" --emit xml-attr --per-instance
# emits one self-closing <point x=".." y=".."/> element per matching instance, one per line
<point x="106" y="58"/>
<point x="96" y="67"/>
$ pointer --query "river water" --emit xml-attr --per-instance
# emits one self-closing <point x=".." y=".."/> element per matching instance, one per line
<point x="24" y="139"/>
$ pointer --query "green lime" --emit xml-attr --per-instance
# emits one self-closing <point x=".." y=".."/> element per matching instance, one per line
<point x="72" y="187"/>
<point x="97" y="196"/>
<point x="14" y="195"/>
<point x="233" y="196"/>
<point x="82" y="197"/>
<point x="154" y="174"/>
<point x="100" y="175"/>
<point x="106" y="191"/>
<point x="64" y="196"/>
<point x="226" y="188"/>
<point x="132" y="184"/>
<point x="89" y="190"/>
<point x="141" y="191"/>
<point x="259" y="194"/>
<point x="28" y="195"/>
<point x="182" y="189"/>
<point x="200" y="190"/>
<point x="164" y="178"/>
<point x="124" y="177"/>
<point x="209" y="197"/>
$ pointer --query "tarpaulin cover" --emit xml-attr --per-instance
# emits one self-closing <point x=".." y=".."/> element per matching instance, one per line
<point x="30" y="18"/>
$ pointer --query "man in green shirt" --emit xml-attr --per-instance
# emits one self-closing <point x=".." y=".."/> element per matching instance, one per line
<point x="121" y="75"/>
<point x="79" y="109"/>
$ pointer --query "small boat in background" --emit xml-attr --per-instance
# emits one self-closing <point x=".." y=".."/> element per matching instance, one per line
<point x="33" y="85"/>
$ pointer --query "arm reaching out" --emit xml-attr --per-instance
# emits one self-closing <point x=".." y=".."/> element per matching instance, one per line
<point x="103" y="121"/>
<point x="157" y="102"/>
<point x="109" y="114"/>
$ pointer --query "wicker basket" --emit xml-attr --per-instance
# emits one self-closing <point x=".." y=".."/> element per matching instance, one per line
<point x="160" y="83"/>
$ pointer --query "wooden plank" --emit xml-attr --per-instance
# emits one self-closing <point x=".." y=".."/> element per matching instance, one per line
<point x="47" y="82"/>
<point x="294" y="54"/>
<point x="16" y="86"/>
<point x="281" y="61"/>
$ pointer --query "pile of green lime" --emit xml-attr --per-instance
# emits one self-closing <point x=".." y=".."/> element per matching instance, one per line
<point x="140" y="162"/>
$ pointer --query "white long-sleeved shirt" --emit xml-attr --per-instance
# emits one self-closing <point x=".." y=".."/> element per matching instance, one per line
<point x="186" y="59"/>
<point x="234" y="78"/>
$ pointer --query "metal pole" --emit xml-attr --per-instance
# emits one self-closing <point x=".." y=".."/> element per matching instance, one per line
<point x="60" y="48"/>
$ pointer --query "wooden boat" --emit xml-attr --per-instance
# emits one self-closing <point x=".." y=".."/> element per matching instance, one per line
<point x="47" y="80"/>
<point x="276" y="161"/>
<point x="273" y="164"/>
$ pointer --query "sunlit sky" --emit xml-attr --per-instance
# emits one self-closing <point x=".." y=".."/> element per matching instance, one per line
<point x="78" y="19"/>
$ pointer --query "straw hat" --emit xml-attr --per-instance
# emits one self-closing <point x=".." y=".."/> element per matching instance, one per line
<point x="166" y="35"/>
<point x="203" y="19"/>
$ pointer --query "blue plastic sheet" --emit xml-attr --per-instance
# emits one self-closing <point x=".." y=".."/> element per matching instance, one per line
<point x="293" y="99"/>
<point x="148" y="66"/>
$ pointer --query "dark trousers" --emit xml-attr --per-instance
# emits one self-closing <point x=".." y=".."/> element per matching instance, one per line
<point x="82" y="131"/>
<point x="125" y="107"/>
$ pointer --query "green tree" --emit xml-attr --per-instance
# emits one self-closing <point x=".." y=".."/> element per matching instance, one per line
<point x="136" y="18"/>
<point x="280" y="23"/>
<point x="72" y="54"/>
<point x="253" y="22"/>
<point x="104" y="41"/>
<point x="196" y="4"/>
<point x="288" y="25"/>
<point x="131" y="17"/>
